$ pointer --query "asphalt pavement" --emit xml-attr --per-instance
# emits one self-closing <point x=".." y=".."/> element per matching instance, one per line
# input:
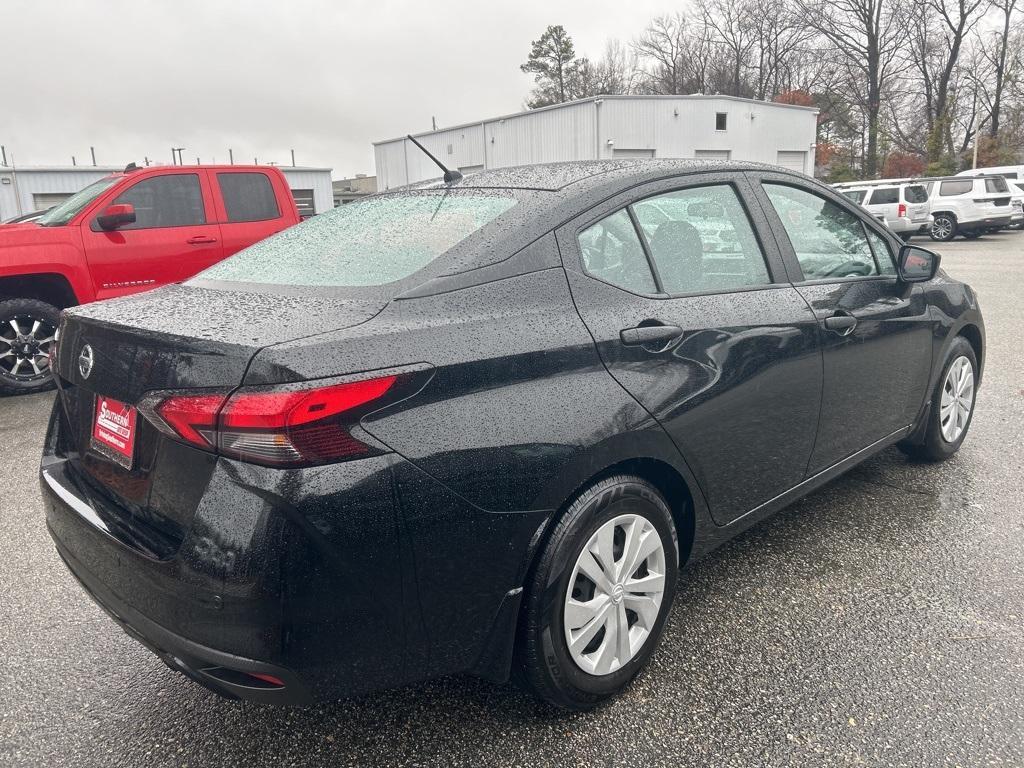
<point x="879" y="621"/>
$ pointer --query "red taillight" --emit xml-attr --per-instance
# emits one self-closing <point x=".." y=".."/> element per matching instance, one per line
<point x="291" y="425"/>
<point x="902" y="211"/>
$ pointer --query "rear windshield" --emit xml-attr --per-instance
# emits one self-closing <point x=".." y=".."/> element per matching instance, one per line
<point x="366" y="243"/>
<point x="915" y="194"/>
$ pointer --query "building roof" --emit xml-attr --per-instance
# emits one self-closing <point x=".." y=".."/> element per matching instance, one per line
<point x="625" y="97"/>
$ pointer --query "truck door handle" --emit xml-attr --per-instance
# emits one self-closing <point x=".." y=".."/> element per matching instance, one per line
<point x="201" y="240"/>
<point x="841" y="323"/>
<point x="642" y="335"/>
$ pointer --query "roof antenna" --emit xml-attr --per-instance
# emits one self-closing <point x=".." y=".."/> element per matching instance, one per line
<point x="449" y="176"/>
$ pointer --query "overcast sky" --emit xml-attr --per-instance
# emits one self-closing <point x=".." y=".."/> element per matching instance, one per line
<point x="134" y="78"/>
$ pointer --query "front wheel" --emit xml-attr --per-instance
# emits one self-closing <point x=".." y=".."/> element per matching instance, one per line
<point x="952" y="405"/>
<point x="943" y="227"/>
<point x="598" y="597"/>
<point x="27" y="330"/>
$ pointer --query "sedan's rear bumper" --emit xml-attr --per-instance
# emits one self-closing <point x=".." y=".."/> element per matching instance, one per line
<point x="229" y="675"/>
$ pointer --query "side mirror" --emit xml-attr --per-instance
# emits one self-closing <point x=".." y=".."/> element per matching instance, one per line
<point x="917" y="265"/>
<point x="116" y="216"/>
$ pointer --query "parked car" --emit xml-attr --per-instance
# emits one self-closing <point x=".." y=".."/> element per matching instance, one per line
<point x="479" y="426"/>
<point x="125" y="233"/>
<point x="968" y="206"/>
<point x="899" y="204"/>
<point x="26" y="217"/>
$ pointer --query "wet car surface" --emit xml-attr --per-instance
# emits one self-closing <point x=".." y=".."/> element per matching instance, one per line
<point x="877" y="621"/>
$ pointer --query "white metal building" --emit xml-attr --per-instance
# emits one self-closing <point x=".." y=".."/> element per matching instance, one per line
<point x="713" y="127"/>
<point x="33" y="188"/>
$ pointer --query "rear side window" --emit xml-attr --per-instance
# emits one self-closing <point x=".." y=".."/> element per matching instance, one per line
<point x="248" y="196"/>
<point x="370" y="242"/>
<point x="701" y="240"/>
<point x="612" y="252"/>
<point x="856" y="195"/>
<point x="915" y="194"/>
<point x="829" y="241"/>
<point x="955" y="187"/>
<point x="165" y="201"/>
<point x="996" y="186"/>
<point x="885" y="196"/>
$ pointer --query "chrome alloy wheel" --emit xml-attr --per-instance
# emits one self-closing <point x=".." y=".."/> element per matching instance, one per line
<point x="942" y="228"/>
<point x="25" y="347"/>
<point x="614" y="594"/>
<point x="957" y="399"/>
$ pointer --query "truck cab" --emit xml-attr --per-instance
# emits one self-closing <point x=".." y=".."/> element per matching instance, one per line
<point x="127" y="232"/>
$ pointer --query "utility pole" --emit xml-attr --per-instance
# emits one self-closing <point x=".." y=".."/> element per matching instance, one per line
<point x="977" y="135"/>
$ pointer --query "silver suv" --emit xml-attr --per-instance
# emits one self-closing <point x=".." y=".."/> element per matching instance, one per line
<point x="900" y="204"/>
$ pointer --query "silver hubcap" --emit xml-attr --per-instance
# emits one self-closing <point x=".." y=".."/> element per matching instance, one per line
<point x="614" y="594"/>
<point x="942" y="228"/>
<point x="957" y="399"/>
<point x="25" y="347"/>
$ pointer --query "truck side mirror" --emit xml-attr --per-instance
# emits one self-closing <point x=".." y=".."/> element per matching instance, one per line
<point x="116" y="216"/>
<point x="917" y="265"/>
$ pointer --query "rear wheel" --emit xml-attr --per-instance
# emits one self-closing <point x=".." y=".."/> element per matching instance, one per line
<point x="599" y="595"/>
<point x="943" y="227"/>
<point x="27" y="329"/>
<point x="952" y="405"/>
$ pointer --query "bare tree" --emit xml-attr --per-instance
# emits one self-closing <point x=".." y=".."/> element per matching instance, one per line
<point x="997" y="54"/>
<point x="731" y="27"/>
<point x="867" y="36"/>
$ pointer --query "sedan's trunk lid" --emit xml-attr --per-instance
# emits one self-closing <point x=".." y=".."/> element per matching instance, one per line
<point x="174" y="338"/>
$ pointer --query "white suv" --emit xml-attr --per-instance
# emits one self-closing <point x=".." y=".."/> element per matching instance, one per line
<point x="1014" y="175"/>
<point x="899" y="204"/>
<point x="968" y="205"/>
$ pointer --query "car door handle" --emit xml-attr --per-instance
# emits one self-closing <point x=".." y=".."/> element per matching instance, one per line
<point x="642" y="335"/>
<point x="201" y="240"/>
<point x="841" y="324"/>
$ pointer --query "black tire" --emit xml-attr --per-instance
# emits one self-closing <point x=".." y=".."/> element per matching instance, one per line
<point x="544" y="663"/>
<point x="24" y="312"/>
<point x="947" y="226"/>
<point x="934" y="447"/>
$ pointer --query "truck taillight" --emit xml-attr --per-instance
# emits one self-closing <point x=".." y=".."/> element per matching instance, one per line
<point x="902" y="212"/>
<point x="280" y="426"/>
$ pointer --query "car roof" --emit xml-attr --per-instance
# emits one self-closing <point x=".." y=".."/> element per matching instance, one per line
<point x="581" y="174"/>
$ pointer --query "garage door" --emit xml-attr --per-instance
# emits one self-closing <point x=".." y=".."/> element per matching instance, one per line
<point x="304" y="202"/>
<point x="713" y="154"/>
<point x="643" y="153"/>
<point x="794" y="161"/>
<point x="43" y="200"/>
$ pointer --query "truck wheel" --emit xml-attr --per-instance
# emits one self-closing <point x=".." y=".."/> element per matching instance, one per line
<point x="27" y="329"/>
<point x="943" y="227"/>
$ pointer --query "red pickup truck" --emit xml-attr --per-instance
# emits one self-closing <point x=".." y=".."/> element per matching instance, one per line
<point x="125" y="233"/>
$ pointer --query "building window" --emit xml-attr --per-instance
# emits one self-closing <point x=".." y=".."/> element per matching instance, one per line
<point x="721" y="120"/>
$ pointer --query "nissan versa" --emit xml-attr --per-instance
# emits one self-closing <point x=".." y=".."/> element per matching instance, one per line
<point x="478" y="426"/>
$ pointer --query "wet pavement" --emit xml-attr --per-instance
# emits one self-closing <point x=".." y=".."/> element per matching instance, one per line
<point x="879" y="621"/>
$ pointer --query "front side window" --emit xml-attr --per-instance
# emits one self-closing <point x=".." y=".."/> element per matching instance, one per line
<point x="612" y="252"/>
<point x="248" y="196"/>
<point x="829" y="241"/>
<point x="955" y="187"/>
<point x="883" y="253"/>
<point x="371" y="242"/>
<point x="165" y="201"/>
<point x="915" y="194"/>
<point x="885" y="196"/>
<point x="701" y="240"/>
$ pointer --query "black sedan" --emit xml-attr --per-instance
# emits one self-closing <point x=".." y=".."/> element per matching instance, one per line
<point x="478" y="426"/>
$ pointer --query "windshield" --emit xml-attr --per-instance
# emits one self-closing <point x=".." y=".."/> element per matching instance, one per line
<point x="370" y="242"/>
<point x="61" y="214"/>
